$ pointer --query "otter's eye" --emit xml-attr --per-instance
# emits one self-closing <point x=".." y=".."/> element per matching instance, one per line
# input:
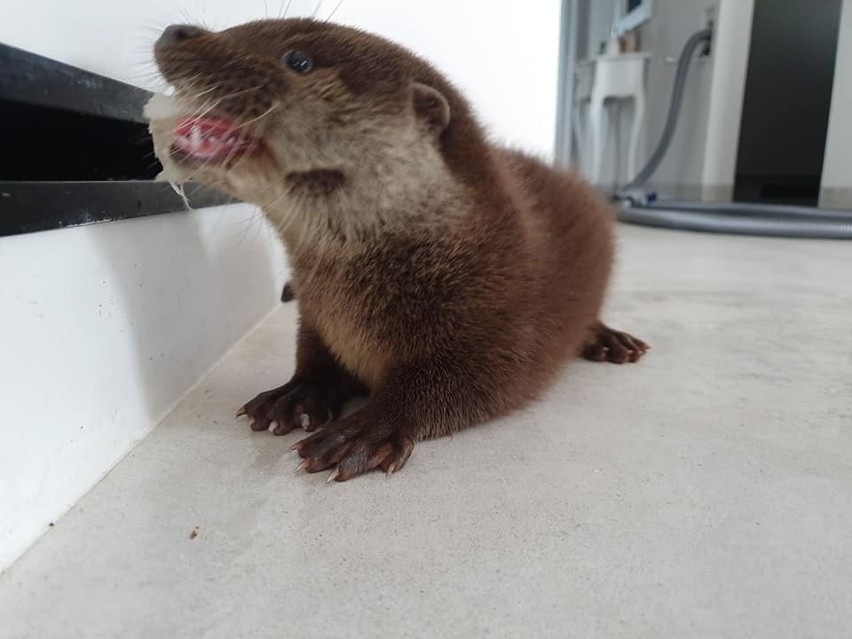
<point x="299" y="61"/>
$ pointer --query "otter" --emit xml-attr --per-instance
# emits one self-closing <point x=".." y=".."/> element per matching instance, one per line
<point x="445" y="278"/>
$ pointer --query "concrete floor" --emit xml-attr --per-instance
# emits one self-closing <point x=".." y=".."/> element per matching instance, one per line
<point x="706" y="492"/>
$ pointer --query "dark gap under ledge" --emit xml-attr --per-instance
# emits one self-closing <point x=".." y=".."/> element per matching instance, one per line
<point x="76" y="149"/>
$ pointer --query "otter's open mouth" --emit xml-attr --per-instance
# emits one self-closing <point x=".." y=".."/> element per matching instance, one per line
<point x="210" y="138"/>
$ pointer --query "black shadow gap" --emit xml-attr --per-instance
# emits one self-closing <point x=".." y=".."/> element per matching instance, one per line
<point x="76" y="149"/>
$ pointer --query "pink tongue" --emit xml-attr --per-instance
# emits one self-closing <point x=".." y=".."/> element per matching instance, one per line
<point x="209" y="137"/>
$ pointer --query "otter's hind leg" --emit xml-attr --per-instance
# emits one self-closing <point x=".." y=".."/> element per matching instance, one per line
<point x="606" y="344"/>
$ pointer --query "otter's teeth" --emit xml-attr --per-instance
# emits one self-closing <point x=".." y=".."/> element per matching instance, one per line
<point x="207" y="138"/>
<point x="195" y="137"/>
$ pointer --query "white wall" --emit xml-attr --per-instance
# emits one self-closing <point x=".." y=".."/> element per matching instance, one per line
<point x="727" y="89"/>
<point x="106" y="326"/>
<point x="837" y="165"/>
<point x="503" y="55"/>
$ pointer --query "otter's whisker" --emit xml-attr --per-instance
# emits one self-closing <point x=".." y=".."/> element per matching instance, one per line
<point x="333" y="11"/>
<point x="261" y="116"/>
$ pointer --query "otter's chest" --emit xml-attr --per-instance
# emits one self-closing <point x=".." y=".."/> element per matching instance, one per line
<point x="345" y="316"/>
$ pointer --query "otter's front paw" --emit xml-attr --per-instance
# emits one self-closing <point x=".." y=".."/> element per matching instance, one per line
<point x="296" y="404"/>
<point x="353" y="446"/>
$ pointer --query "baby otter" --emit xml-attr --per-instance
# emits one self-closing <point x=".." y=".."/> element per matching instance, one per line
<point x="445" y="277"/>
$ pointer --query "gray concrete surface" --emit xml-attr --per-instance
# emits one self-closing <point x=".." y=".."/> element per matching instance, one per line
<point x="705" y="492"/>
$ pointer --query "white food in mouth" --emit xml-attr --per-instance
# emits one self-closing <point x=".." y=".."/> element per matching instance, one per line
<point x="163" y="114"/>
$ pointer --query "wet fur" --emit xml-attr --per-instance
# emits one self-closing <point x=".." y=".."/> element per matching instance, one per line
<point x="449" y="277"/>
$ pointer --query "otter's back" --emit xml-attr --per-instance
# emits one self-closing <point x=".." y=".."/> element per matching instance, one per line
<point x="570" y="246"/>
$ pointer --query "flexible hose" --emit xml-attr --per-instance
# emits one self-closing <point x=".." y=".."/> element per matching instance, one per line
<point x="731" y="218"/>
<point x="786" y="211"/>
<point x="659" y="153"/>
<point x="712" y="222"/>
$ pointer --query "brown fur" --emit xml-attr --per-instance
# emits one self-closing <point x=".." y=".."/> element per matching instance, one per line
<point x="449" y="278"/>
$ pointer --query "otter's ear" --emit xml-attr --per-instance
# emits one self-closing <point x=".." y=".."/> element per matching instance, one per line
<point x="431" y="107"/>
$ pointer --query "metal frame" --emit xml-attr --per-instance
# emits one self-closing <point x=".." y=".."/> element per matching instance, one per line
<point x="565" y="82"/>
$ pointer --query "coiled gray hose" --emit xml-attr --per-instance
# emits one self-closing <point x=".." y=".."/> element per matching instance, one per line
<point x="733" y="218"/>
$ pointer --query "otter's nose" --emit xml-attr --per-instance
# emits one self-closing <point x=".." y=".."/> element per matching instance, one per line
<point x="177" y="33"/>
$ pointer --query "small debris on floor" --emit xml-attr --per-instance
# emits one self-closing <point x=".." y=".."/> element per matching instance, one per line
<point x="194" y="533"/>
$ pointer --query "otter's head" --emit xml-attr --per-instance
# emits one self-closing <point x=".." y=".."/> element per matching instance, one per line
<point x="284" y="112"/>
